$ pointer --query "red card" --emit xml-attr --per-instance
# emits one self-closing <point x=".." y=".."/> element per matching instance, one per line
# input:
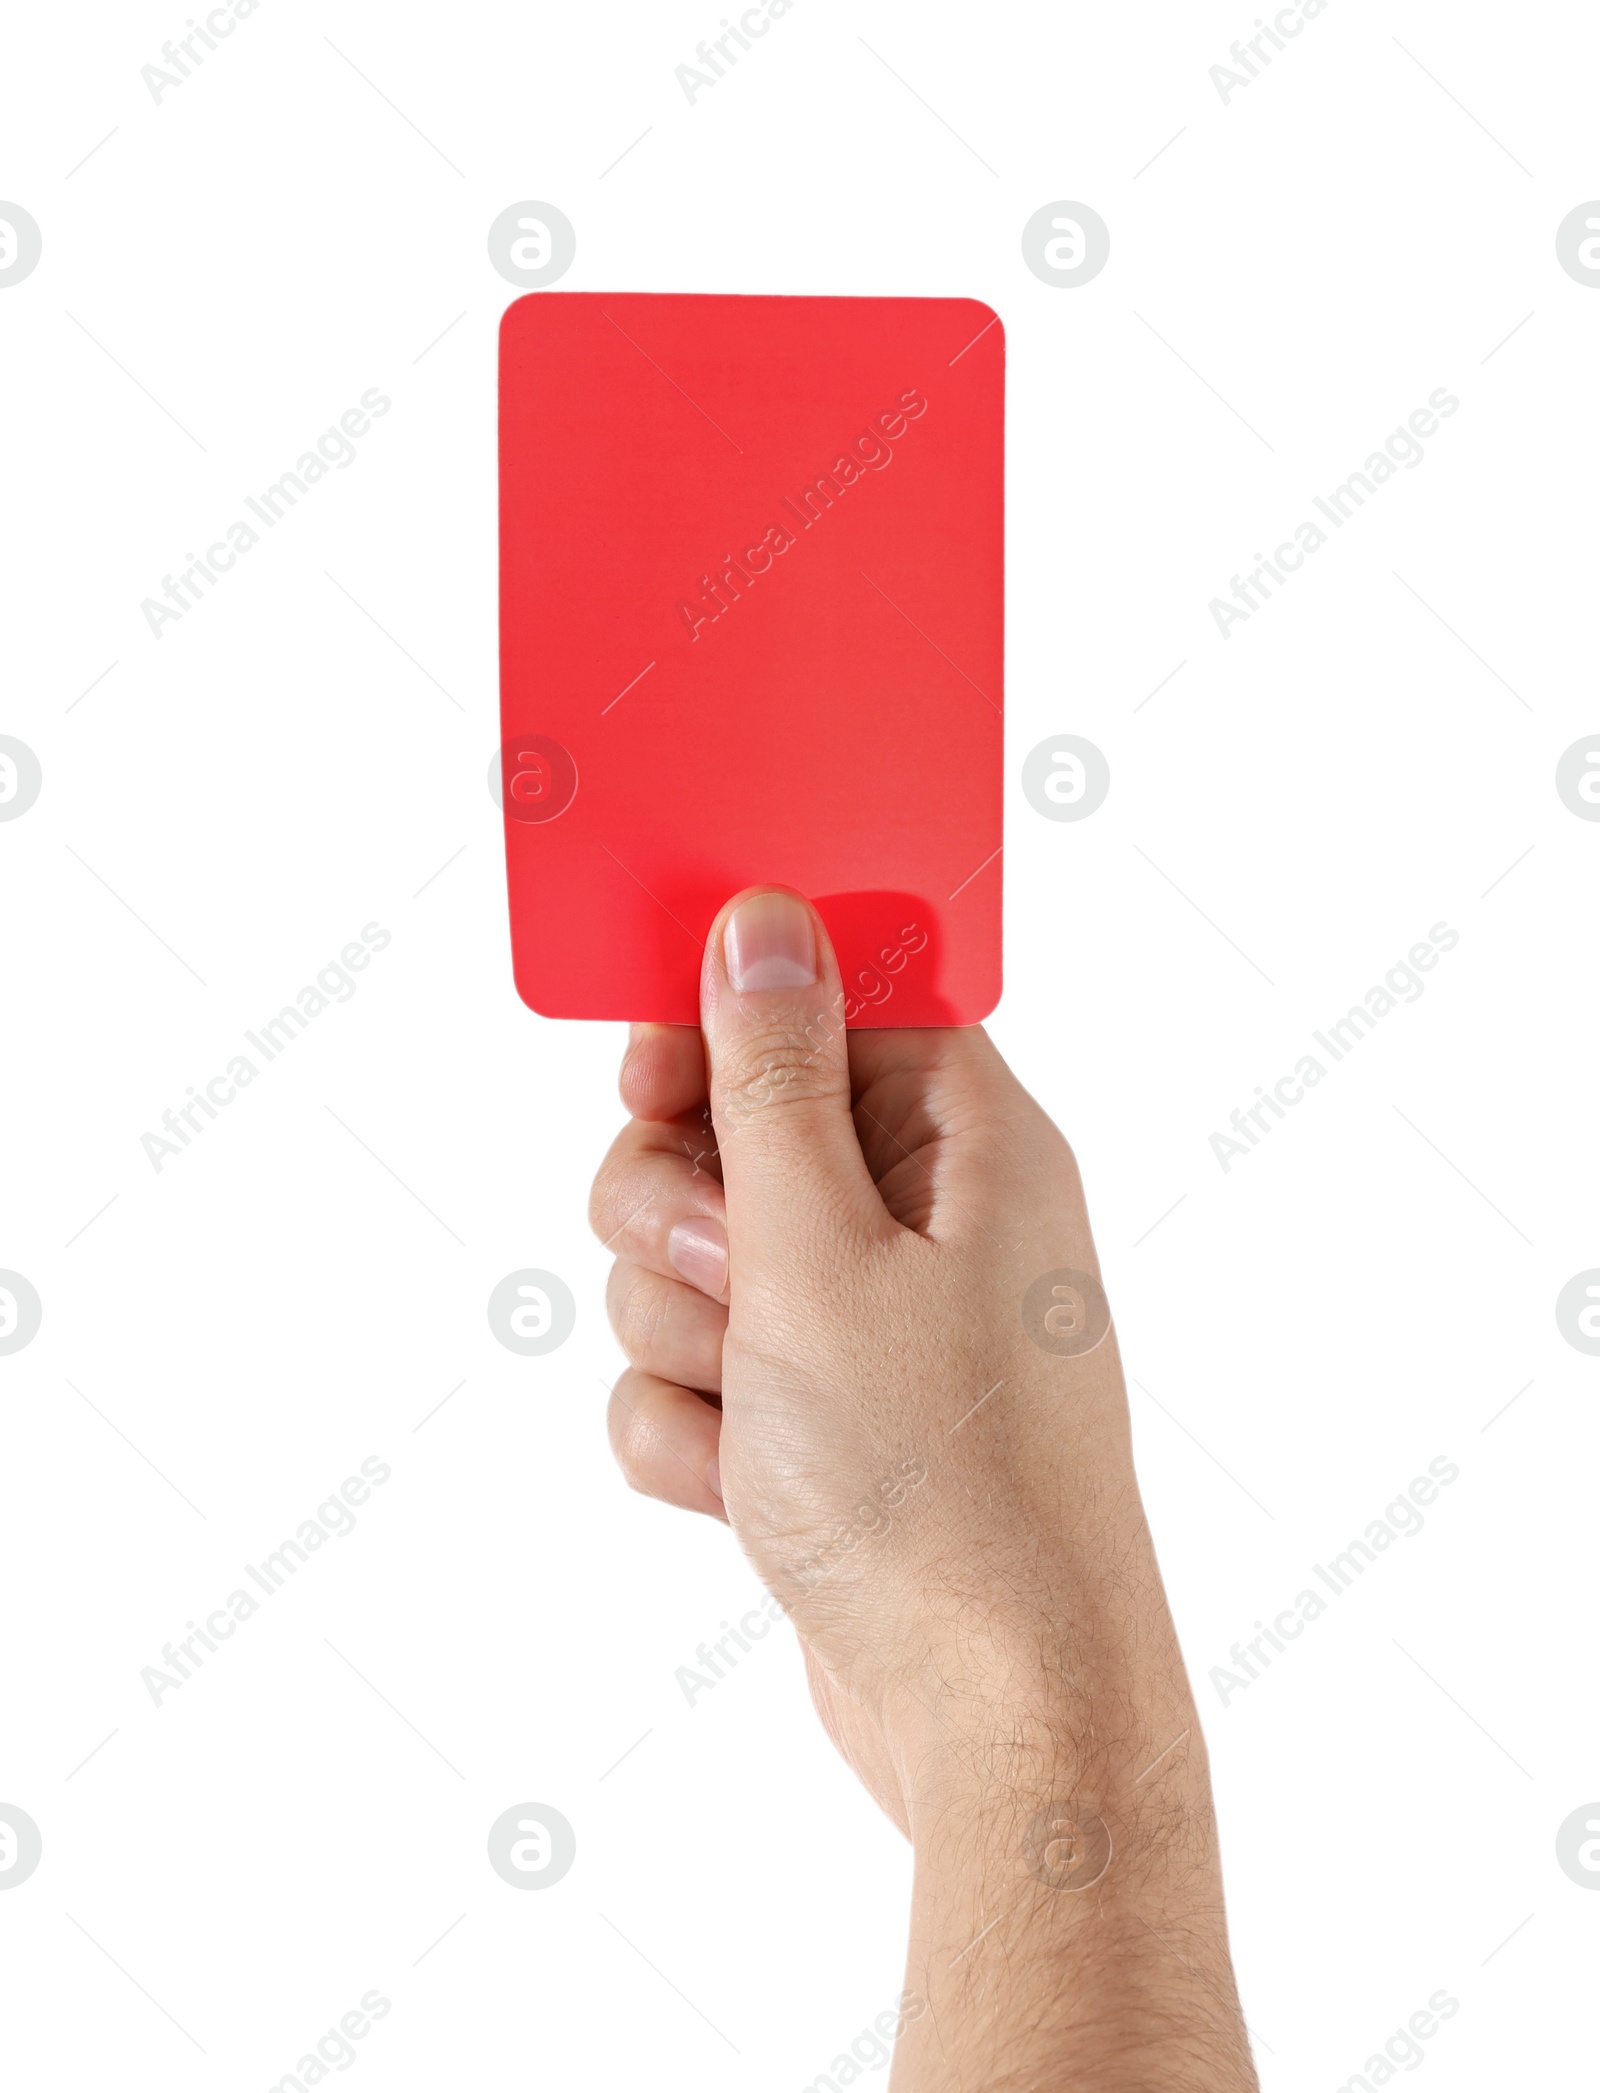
<point x="751" y="625"/>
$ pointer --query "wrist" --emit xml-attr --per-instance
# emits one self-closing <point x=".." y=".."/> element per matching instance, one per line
<point x="1090" y="1784"/>
<point x="1067" y="1919"/>
<point x="1078" y="1685"/>
<point x="1067" y="1916"/>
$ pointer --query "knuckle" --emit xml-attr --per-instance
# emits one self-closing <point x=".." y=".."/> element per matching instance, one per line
<point x="635" y="1305"/>
<point x="632" y="1203"/>
<point x="783" y="1064"/>
<point x="623" y="1205"/>
<point x="632" y="1444"/>
<point x="612" y="1216"/>
<point x="608" y="1198"/>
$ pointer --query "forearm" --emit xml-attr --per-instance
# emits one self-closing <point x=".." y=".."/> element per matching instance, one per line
<point x="1067" y="1926"/>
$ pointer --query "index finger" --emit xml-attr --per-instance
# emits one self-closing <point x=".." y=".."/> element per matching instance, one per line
<point x="664" y="1072"/>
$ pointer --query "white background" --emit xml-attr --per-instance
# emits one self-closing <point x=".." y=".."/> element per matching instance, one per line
<point x="221" y="279"/>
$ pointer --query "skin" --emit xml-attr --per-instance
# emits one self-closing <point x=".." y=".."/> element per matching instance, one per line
<point x="823" y="1244"/>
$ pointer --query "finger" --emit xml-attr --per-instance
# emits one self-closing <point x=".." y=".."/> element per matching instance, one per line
<point x="953" y="1140"/>
<point x="663" y="1071"/>
<point x="665" y="1441"/>
<point x="656" y="1202"/>
<point x="771" y="1008"/>
<point x="665" y="1327"/>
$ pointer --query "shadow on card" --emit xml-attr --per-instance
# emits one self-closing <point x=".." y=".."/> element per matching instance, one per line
<point x="889" y="958"/>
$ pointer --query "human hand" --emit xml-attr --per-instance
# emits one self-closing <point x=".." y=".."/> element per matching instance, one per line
<point x="859" y="1296"/>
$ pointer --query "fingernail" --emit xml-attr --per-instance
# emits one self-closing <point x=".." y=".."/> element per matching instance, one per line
<point x="698" y="1251"/>
<point x="714" y="1477"/>
<point x="768" y="944"/>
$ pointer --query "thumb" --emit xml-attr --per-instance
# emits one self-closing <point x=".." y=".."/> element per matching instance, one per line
<point x="772" y="1011"/>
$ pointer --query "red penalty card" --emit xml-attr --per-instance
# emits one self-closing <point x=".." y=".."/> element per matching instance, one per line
<point x="751" y="631"/>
